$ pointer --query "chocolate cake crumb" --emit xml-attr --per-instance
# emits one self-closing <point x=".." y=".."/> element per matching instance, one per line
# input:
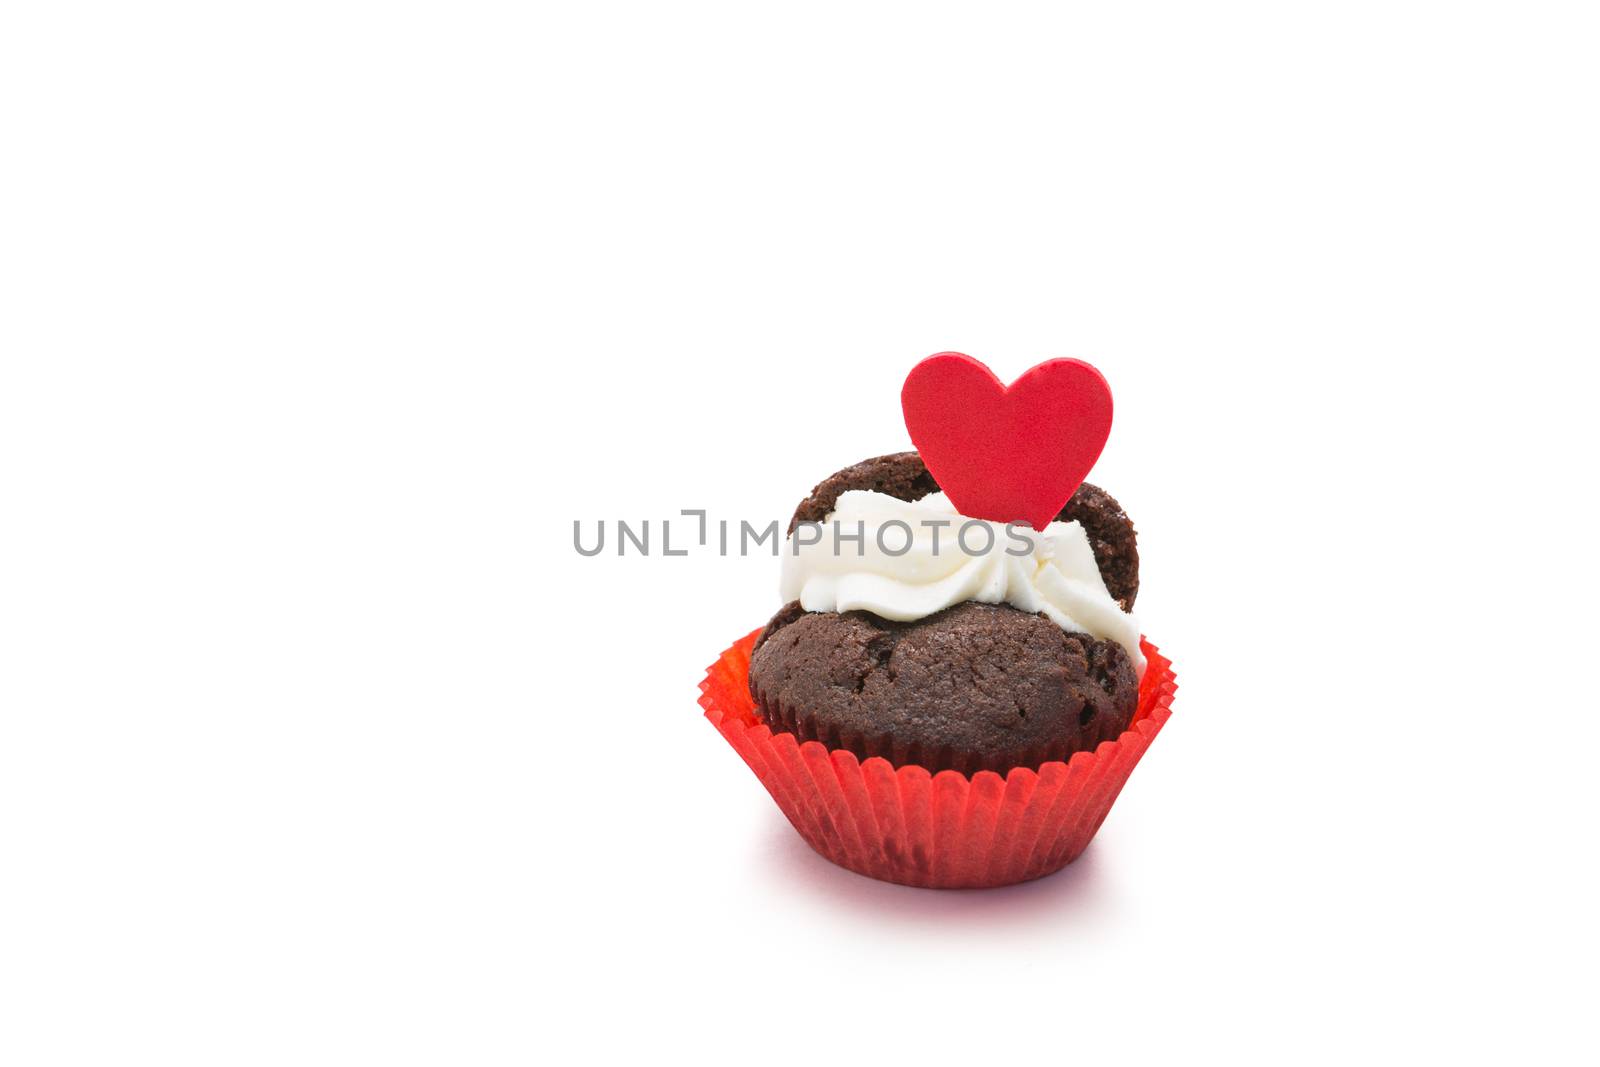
<point x="974" y="687"/>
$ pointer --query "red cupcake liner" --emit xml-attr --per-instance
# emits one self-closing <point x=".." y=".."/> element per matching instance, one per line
<point x="945" y="830"/>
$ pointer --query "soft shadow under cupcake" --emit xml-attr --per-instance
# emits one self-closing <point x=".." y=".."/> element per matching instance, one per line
<point x="1077" y="895"/>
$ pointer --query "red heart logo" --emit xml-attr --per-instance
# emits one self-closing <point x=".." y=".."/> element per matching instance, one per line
<point x="1007" y="454"/>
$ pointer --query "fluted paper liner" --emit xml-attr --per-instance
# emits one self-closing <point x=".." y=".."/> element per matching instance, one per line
<point x="944" y="830"/>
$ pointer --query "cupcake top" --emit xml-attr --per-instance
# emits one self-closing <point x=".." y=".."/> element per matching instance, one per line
<point x="906" y="560"/>
<point x="904" y="476"/>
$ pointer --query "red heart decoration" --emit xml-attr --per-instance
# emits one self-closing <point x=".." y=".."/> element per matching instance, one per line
<point x="1007" y="454"/>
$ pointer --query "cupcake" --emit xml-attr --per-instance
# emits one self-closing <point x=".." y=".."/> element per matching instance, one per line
<point x="946" y="699"/>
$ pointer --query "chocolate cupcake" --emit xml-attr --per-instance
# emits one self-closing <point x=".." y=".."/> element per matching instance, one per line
<point x="947" y="698"/>
<point x="1009" y="648"/>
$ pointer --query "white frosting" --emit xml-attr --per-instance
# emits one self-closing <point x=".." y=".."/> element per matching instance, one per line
<point x="1052" y="572"/>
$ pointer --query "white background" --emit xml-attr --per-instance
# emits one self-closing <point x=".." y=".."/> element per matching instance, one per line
<point x="321" y="323"/>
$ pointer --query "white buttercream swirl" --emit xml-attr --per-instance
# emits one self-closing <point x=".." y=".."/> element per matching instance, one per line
<point x="1052" y="572"/>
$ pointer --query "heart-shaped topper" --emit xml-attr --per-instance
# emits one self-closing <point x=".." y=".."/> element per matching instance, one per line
<point x="1007" y="454"/>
